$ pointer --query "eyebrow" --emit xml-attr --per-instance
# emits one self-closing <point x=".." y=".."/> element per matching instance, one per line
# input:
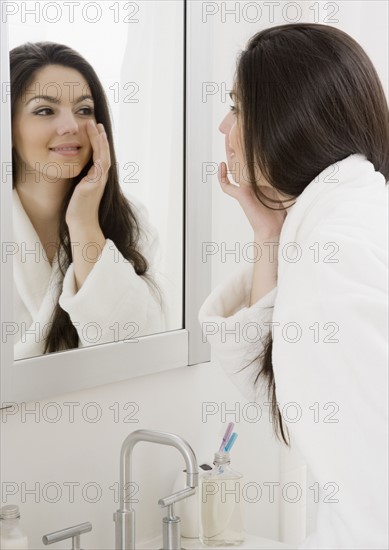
<point x="51" y="99"/>
<point x="231" y="94"/>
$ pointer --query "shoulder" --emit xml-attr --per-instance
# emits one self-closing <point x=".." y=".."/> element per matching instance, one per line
<point x="347" y="194"/>
<point x="346" y="214"/>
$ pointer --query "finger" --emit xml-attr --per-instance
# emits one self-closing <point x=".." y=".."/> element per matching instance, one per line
<point x="94" y="174"/>
<point x="222" y="175"/>
<point x="93" y="133"/>
<point x="101" y="154"/>
<point x="98" y="171"/>
<point x="225" y="183"/>
<point x="105" y="155"/>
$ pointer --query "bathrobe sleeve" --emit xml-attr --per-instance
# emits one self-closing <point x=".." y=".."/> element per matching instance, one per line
<point x="333" y="365"/>
<point x="115" y="303"/>
<point x="236" y="330"/>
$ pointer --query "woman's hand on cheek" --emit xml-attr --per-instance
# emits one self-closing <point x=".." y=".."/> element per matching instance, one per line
<point x="83" y="207"/>
<point x="266" y="223"/>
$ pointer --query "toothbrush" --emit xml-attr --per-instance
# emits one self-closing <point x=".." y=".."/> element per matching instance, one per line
<point x="226" y="437"/>
<point x="230" y="443"/>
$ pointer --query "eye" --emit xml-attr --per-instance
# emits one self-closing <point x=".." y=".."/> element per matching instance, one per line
<point x="233" y="108"/>
<point x="89" y="110"/>
<point x="40" y="111"/>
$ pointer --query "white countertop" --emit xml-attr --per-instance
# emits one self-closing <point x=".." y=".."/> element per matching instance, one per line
<point x="252" y="542"/>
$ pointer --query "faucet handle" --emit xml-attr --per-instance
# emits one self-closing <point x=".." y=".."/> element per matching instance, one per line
<point x="70" y="532"/>
<point x="175" y="497"/>
<point x="171" y="531"/>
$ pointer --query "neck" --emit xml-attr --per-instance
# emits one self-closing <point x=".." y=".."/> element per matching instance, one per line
<point x="42" y="201"/>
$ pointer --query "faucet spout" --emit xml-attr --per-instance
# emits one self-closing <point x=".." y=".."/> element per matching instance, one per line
<point x="125" y="517"/>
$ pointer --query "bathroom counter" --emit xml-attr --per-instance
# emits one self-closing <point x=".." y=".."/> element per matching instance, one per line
<point x="252" y="542"/>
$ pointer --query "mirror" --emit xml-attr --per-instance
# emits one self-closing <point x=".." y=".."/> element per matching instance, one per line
<point x="52" y="374"/>
<point x="136" y="50"/>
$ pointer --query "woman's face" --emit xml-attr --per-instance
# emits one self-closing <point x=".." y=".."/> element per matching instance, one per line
<point x="43" y="126"/>
<point x="231" y="128"/>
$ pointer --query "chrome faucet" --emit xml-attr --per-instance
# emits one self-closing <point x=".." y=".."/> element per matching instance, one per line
<point x="125" y="517"/>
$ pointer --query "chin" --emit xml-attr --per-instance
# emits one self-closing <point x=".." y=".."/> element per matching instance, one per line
<point x="62" y="173"/>
<point x="73" y="171"/>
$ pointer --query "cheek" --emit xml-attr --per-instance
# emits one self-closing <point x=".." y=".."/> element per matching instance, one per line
<point x="87" y="155"/>
<point x="86" y="137"/>
<point x="233" y="138"/>
<point x="237" y="140"/>
<point x="17" y="136"/>
<point x="26" y="142"/>
<point x="33" y="135"/>
<point x="88" y="152"/>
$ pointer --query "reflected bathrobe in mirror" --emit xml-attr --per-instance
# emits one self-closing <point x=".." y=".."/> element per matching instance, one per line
<point x="329" y="316"/>
<point x="114" y="303"/>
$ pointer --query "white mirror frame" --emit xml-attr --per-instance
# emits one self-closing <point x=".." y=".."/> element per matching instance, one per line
<point x="73" y="370"/>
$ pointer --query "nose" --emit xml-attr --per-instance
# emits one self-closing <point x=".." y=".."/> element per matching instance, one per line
<point x="226" y="123"/>
<point x="67" y="124"/>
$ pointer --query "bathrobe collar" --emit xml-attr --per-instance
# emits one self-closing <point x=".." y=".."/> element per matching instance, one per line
<point x="32" y="271"/>
<point x="344" y="179"/>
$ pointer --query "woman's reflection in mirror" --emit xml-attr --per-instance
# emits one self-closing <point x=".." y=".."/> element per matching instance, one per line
<point x="85" y="267"/>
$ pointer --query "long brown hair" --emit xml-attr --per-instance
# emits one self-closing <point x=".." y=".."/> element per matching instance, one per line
<point x="116" y="216"/>
<point x="309" y="96"/>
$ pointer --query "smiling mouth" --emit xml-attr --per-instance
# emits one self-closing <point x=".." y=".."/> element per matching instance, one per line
<point x="65" y="148"/>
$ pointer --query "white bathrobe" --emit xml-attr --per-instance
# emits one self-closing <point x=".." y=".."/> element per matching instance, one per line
<point x="114" y="303"/>
<point x="330" y="350"/>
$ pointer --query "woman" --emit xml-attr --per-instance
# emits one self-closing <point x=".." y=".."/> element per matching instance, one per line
<point x="308" y="140"/>
<point x="84" y="262"/>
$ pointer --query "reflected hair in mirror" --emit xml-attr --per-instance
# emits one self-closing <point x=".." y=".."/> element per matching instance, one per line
<point x="117" y="218"/>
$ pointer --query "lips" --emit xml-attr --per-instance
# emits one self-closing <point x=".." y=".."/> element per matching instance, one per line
<point x="64" y="148"/>
<point x="72" y="146"/>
